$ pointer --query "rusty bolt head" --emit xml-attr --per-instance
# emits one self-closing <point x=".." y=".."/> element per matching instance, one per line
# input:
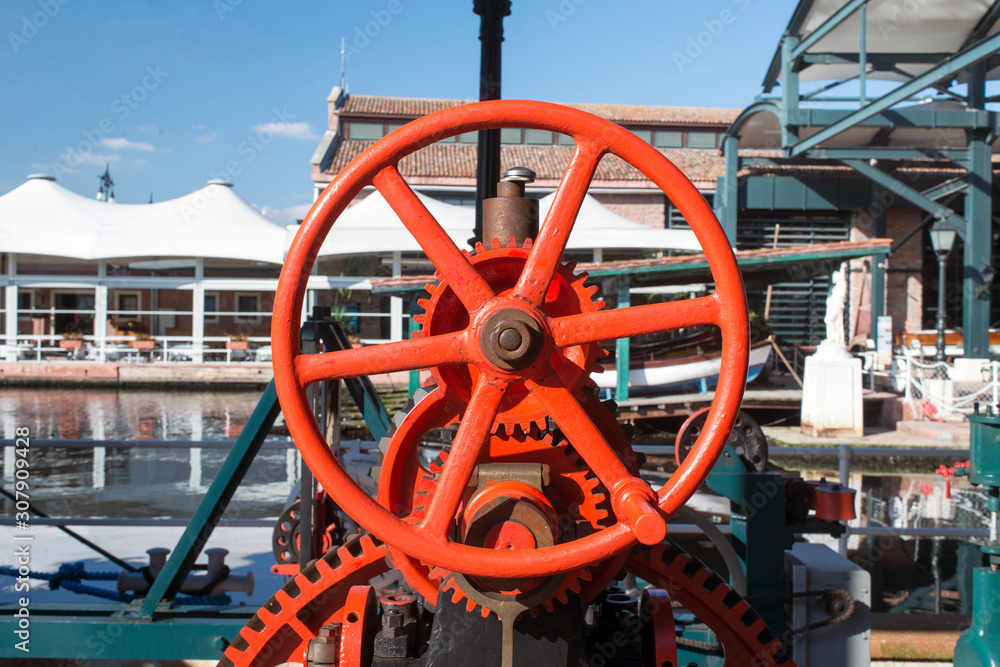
<point x="511" y="339"/>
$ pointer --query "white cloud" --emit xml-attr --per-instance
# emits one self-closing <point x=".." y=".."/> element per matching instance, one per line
<point x="121" y="143"/>
<point x="148" y="128"/>
<point x="289" y="130"/>
<point x="287" y="215"/>
<point x="208" y="138"/>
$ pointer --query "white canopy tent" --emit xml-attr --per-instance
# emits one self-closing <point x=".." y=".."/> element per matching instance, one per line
<point x="372" y="226"/>
<point x="40" y="217"/>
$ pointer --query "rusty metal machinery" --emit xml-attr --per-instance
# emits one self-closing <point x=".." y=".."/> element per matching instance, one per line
<point x="513" y="540"/>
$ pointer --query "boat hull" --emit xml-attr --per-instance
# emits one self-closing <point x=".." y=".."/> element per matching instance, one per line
<point x="700" y="373"/>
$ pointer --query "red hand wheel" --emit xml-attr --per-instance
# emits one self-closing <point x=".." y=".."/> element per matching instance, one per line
<point x="640" y="512"/>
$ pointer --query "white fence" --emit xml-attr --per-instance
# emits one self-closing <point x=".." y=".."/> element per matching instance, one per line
<point x="944" y="391"/>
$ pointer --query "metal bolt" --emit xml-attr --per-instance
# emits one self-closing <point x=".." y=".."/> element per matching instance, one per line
<point x="519" y="175"/>
<point x="510" y="339"/>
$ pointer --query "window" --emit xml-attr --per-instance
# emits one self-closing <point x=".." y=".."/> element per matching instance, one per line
<point x="645" y="135"/>
<point x="669" y="139"/>
<point x="212" y="305"/>
<point x="468" y="138"/>
<point x="565" y="140"/>
<point x="247" y="306"/>
<point x="510" y="135"/>
<point x="128" y="305"/>
<point x="25" y="301"/>
<point x="392" y="127"/>
<point x="364" y="131"/>
<point x="539" y="137"/>
<point x="701" y="139"/>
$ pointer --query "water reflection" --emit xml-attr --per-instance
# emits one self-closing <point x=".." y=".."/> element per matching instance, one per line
<point x="140" y="482"/>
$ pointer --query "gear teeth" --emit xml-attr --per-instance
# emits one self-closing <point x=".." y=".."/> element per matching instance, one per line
<point x="591" y="289"/>
<point x="528" y="243"/>
<point x="510" y="428"/>
<point x="495" y="244"/>
<point x="480" y="248"/>
<point x="384" y="443"/>
<point x="600" y="305"/>
<point x="582" y="277"/>
<point x="611" y="406"/>
<point x="511" y="242"/>
<point x="429" y="288"/>
<point x="438" y="276"/>
<point x="570" y="265"/>
<point x="468" y="255"/>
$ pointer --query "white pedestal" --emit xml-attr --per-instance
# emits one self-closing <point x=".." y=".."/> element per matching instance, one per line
<point x="831" y="393"/>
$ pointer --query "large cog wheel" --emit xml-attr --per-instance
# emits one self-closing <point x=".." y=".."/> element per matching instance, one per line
<point x="745" y="637"/>
<point x="501" y="267"/>
<point x="280" y="631"/>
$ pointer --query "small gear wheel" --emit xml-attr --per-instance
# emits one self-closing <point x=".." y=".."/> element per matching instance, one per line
<point x="501" y="266"/>
<point x="405" y="486"/>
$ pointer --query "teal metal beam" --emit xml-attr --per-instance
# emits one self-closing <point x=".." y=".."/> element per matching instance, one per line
<point x="985" y="24"/>
<point x="946" y="70"/>
<point x="862" y="54"/>
<point x="622" y="344"/>
<point x="789" y="92"/>
<point x="951" y="154"/>
<point x="214" y="504"/>
<point x="910" y="194"/>
<point x="824" y="29"/>
<point x="878" y="207"/>
<point x="83" y="633"/>
<point x="946" y="189"/>
<point x="978" y="273"/>
<point x="727" y="188"/>
<point x="875" y="59"/>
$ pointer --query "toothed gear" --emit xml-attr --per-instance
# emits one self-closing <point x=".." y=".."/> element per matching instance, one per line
<point x="405" y="486"/>
<point x="280" y="631"/>
<point x="568" y="294"/>
<point x="745" y="638"/>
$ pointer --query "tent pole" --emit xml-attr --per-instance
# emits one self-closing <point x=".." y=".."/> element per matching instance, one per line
<point x="101" y="309"/>
<point x="395" y="302"/>
<point x="10" y="325"/>
<point x="198" y="311"/>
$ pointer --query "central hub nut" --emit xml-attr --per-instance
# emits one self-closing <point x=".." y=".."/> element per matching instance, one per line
<point x="511" y="339"/>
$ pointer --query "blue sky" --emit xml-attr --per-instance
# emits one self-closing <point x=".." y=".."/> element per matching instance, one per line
<point x="170" y="93"/>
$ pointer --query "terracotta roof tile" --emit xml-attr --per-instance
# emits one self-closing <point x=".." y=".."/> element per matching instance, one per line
<point x="454" y="160"/>
<point x="413" y="107"/>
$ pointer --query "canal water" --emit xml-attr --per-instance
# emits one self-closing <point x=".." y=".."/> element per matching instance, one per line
<point x="139" y="482"/>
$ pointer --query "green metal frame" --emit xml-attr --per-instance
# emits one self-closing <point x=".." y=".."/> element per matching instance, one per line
<point x="979" y="52"/>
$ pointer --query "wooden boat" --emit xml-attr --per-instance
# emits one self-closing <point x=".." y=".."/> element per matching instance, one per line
<point x="926" y="342"/>
<point x="693" y="372"/>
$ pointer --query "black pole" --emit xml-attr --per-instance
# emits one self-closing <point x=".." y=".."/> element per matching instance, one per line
<point x="491" y="13"/>
<point x="942" y="263"/>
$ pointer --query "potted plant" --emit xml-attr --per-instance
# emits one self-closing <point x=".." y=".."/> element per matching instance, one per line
<point x="237" y="342"/>
<point x="72" y="340"/>
<point x="143" y="341"/>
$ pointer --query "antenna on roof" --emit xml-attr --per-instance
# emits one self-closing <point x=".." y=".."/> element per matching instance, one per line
<point x="106" y="190"/>
<point x="342" y="63"/>
<point x="150" y="197"/>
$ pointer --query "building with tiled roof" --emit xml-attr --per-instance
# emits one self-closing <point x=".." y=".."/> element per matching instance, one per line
<point x="689" y="136"/>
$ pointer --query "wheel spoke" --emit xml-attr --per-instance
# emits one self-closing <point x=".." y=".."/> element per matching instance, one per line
<point x="634" y="321"/>
<point x="554" y="233"/>
<point x="580" y="430"/>
<point x="404" y="355"/>
<point x="454" y="266"/>
<point x="472" y="435"/>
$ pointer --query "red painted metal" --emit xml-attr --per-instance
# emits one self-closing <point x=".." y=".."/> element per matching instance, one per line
<point x="428" y="541"/>
<point x="661" y="614"/>
<point x="831" y="502"/>
<point x="359" y="623"/>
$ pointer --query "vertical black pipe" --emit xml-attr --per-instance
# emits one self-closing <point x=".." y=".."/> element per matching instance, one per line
<point x="491" y="13"/>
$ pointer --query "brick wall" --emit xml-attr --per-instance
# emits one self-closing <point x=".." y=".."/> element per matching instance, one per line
<point x="904" y="282"/>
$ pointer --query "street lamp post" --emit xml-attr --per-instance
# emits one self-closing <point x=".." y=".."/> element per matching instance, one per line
<point x="942" y="238"/>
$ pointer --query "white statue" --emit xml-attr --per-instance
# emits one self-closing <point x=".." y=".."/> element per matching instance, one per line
<point x="835" y="303"/>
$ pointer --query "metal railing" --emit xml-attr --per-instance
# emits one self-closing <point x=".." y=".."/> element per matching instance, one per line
<point x="950" y="391"/>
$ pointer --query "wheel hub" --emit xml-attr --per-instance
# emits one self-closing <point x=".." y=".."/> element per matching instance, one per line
<point x="511" y="339"/>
